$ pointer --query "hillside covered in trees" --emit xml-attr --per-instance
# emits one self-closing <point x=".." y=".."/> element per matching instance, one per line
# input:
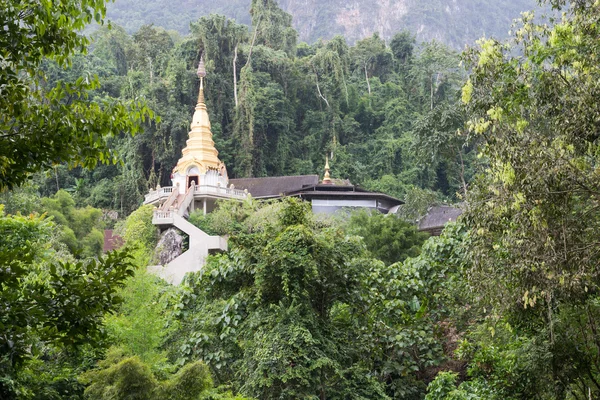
<point x="453" y="22"/>
<point x="504" y="304"/>
<point x="386" y="114"/>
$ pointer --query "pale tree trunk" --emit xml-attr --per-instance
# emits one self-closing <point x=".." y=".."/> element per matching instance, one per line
<point x="235" y="95"/>
<point x="319" y="90"/>
<point x="151" y="71"/>
<point x="252" y="45"/>
<point x="56" y="176"/>
<point x="431" y="92"/>
<point x="367" y="79"/>
<point x="462" y="171"/>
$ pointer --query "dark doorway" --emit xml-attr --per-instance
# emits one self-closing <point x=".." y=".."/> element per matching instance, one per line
<point x="193" y="178"/>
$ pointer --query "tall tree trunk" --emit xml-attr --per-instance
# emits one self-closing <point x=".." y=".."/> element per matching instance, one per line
<point x="462" y="171"/>
<point x="151" y="71"/>
<point x="431" y="92"/>
<point x="367" y="79"/>
<point x="56" y="176"/>
<point x="318" y="88"/>
<point x="235" y="95"/>
<point x="252" y="44"/>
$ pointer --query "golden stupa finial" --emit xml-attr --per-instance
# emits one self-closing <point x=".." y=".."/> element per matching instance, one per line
<point x="326" y="177"/>
<point x="201" y="74"/>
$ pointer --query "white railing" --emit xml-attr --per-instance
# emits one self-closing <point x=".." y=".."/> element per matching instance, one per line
<point x="189" y="197"/>
<point x="163" y="214"/>
<point x="221" y="190"/>
<point x="171" y="193"/>
<point x="171" y="199"/>
<point x="154" y="195"/>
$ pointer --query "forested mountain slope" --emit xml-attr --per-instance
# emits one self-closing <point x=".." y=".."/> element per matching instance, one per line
<point x="454" y="22"/>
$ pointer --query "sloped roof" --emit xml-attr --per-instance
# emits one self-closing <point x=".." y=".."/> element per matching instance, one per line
<point x="438" y="216"/>
<point x="274" y="186"/>
<point x="347" y="191"/>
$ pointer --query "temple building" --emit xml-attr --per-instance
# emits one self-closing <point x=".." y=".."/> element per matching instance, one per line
<point x="200" y="180"/>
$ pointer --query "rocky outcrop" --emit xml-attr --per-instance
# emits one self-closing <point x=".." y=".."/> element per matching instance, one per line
<point x="454" y="22"/>
<point x="183" y="258"/>
<point x="170" y="246"/>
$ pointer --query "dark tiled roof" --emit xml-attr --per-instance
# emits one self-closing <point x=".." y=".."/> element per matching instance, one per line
<point x="438" y="216"/>
<point x="274" y="186"/>
<point x="328" y="191"/>
<point x="112" y="241"/>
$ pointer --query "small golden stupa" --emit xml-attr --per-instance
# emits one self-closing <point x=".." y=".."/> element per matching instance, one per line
<point x="327" y="178"/>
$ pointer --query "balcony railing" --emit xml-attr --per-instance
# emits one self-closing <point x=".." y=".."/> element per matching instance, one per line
<point x="221" y="190"/>
<point x="163" y="214"/>
<point x="154" y="195"/>
<point x="163" y="217"/>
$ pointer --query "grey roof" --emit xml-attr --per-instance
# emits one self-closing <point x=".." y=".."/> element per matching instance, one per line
<point x="438" y="216"/>
<point x="348" y="191"/>
<point x="274" y="186"/>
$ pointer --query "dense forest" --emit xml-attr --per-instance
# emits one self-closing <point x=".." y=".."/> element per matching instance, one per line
<point x="454" y="23"/>
<point x="387" y="115"/>
<point x="503" y="305"/>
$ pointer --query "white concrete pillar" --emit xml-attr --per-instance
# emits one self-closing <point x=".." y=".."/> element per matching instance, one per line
<point x="204" y="205"/>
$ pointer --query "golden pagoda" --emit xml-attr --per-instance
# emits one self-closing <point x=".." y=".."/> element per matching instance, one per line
<point x="200" y="156"/>
<point x="327" y="178"/>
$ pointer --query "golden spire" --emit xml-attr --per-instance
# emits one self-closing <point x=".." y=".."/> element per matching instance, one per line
<point x="200" y="148"/>
<point x="201" y="74"/>
<point x="326" y="177"/>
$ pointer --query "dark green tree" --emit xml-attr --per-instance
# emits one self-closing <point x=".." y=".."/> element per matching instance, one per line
<point x="387" y="237"/>
<point x="45" y="125"/>
<point x="48" y="302"/>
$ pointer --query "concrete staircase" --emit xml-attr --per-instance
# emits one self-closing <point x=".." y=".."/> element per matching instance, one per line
<point x="200" y="243"/>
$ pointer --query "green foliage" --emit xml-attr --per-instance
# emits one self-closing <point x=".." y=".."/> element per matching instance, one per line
<point x="138" y="230"/>
<point x="80" y="228"/>
<point x="142" y="321"/>
<point x="43" y="125"/>
<point x="533" y="210"/>
<point x="47" y="301"/>
<point x="273" y="26"/>
<point x="123" y="379"/>
<point x="52" y="376"/>
<point x="299" y="308"/>
<point x="93" y="243"/>
<point x="234" y="217"/>
<point x="129" y="378"/>
<point x="387" y="237"/>
<point x="444" y="387"/>
<point x="188" y="382"/>
<point x="269" y="303"/>
<point x="221" y="394"/>
<point x="417" y="202"/>
<point x="507" y="361"/>
<point x="533" y="204"/>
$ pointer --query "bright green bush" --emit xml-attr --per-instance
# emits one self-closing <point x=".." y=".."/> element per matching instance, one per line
<point x="138" y="228"/>
<point x="129" y="378"/>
